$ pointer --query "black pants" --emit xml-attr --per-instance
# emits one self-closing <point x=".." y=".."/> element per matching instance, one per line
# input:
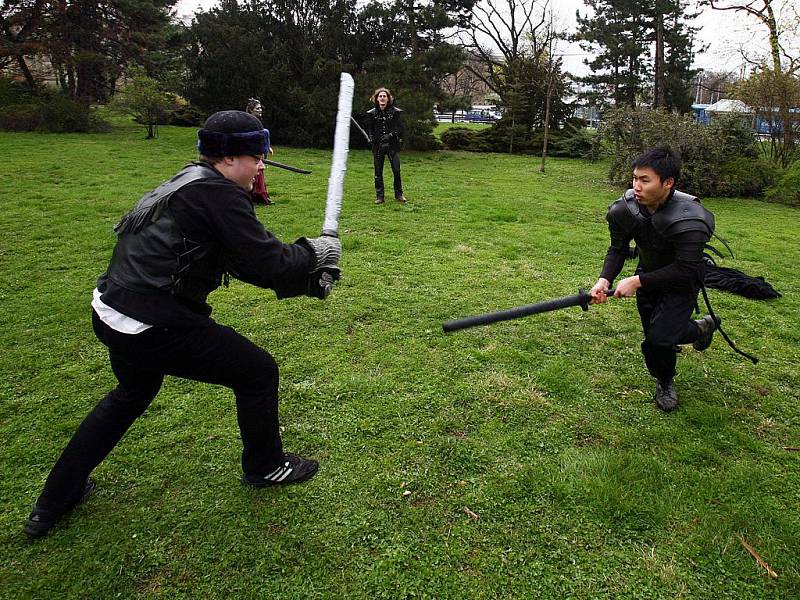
<point x="213" y="354"/>
<point x="666" y="321"/>
<point x="378" y="157"/>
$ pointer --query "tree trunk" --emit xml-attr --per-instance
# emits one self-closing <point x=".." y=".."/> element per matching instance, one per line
<point x="546" y="129"/>
<point x="548" y="96"/>
<point x="659" y="91"/>
<point x="774" y="42"/>
<point x="26" y="72"/>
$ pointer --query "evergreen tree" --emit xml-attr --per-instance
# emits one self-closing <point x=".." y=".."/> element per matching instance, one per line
<point x="676" y="37"/>
<point x="88" y="42"/>
<point x="618" y="37"/>
<point x="643" y="52"/>
<point x="289" y="53"/>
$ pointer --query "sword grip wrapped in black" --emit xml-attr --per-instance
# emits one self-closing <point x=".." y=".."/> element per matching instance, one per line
<point x="581" y="299"/>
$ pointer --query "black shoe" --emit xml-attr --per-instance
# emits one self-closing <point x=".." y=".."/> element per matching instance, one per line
<point x="41" y="521"/>
<point x="379" y="200"/>
<point x="666" y="396"/>
<point x="293" y="470"/>
<point x="707" y="326"/>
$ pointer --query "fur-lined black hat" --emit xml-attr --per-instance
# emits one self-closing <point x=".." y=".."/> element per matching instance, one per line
<point x="232" y="133"/>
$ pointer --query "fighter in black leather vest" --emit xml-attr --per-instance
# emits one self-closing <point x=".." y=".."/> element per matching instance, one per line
<point x="154" y="255"/>
<point x="652" y="233"/>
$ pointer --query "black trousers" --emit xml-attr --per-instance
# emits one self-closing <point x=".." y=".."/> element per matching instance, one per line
<point x="666" y="321"/>
<point x="214" y="354"/>
<point x="378" y="158"/>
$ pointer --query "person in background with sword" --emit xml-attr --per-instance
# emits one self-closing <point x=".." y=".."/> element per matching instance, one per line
<point x="670" y="229"/>
<point x="179" y="243"/>
<point x="385" y="133"/>
<point x="260" y="192"/>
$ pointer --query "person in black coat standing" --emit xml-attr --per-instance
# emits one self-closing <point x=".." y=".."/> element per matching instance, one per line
<point x="385" y="129"/>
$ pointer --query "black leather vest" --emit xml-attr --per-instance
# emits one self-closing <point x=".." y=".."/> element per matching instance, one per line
<point x="653" y="233"/>
<point x="154" y="255"/>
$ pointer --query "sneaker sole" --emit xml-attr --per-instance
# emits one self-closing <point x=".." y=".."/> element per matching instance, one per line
<point x="260" y="484"/>
<point x="707" y="345"/>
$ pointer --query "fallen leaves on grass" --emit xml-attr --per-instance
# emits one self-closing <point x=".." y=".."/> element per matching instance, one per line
<point x="471" y="514"/>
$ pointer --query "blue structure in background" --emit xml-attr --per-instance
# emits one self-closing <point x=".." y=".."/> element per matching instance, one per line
<point x="763" y="124"/>
<point x="700" y="114"/>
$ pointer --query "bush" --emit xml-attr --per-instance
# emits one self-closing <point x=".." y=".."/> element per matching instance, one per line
<point x="742" y="176"/>
<point x="787" y="188"/>
<point x="43" y="110"/>
<point x="187" y="116"/>
<point x="459" y="138"/>
<point x="61" y="114"/>
<point x="14" y="92"/>
<point x="18" y="117"/>
<point x="503" y="136"/>
<point x="572" y="141"/>
<point x="709" y="153"/>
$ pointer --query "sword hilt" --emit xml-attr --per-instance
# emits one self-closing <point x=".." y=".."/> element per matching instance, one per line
<point x="585" y="305"/>
<point x="581" y="299"/>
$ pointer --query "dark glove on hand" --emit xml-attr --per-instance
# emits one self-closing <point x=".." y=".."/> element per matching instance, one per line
<point x="327" y="251"/>
<point x="320" y="283"/>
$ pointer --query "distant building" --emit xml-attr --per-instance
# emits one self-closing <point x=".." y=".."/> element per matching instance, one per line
<point x="590" y="114"/>
<point x="705" y="112"/>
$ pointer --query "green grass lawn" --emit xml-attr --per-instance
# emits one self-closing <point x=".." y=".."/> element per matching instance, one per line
<point x="542" y="427"/>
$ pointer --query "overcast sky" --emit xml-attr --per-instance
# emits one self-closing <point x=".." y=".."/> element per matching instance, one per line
<point x="724" y="31"/>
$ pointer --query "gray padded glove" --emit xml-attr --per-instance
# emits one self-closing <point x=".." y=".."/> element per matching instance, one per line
<point x="327" y="252"/>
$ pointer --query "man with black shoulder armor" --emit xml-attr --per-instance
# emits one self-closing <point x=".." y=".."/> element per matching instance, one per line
<point x="670" y="229"/>
<point x="177" y="245"/>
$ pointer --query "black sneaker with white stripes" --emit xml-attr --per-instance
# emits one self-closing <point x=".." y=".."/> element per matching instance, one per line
<point x="294" y="469"/>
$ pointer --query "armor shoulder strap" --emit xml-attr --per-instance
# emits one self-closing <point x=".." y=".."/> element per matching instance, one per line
<point x="681" y="214"/>
<point x="152" y="204"/>
<point x="624" y="212"/>
<point x="372" y="111"/>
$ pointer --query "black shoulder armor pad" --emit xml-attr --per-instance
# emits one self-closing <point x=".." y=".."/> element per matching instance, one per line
<point x="683" y="213"/>
<point x="371" y="111"/>
<point x="624" y="212"/>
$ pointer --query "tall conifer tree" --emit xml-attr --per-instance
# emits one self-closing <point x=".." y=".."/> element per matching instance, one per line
<point x="643" y="52"/>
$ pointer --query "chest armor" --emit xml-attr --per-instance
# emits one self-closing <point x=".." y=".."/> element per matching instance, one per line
<point x="653" y="233"/>
<point x="154" y="254"/>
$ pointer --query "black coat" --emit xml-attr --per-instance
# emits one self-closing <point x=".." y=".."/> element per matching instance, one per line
<point x="385" y="127"/>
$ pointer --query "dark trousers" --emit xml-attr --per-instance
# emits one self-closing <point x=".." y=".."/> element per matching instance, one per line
<point x="666" y="321"/>
<point x="378" y="157"/>
<point x="213" y="354"/>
